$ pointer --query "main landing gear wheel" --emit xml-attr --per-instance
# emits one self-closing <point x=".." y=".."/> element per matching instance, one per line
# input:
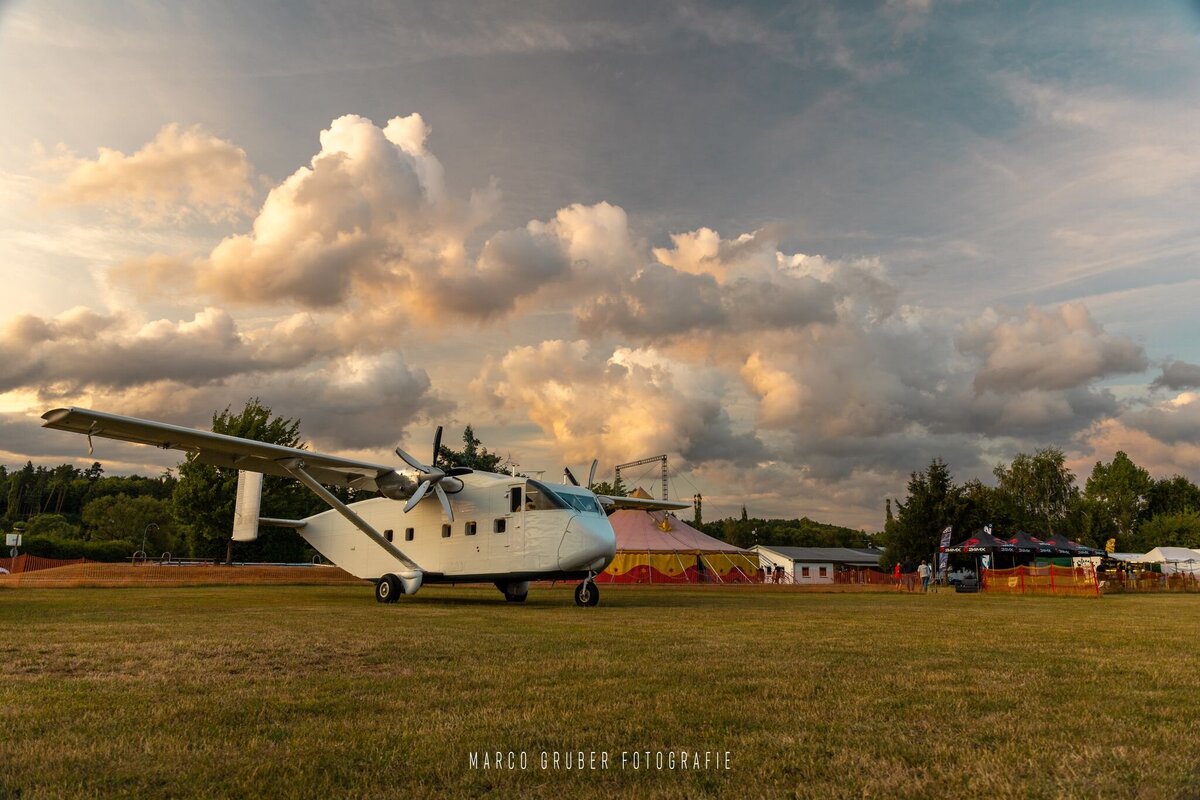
<point x="513" y="591"/>
<point x="587" y="594"/>
<point x="388" y="589"/>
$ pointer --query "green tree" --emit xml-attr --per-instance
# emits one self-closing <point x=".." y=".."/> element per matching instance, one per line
<point x="1168" y="530"/>
<point x="614" y="489"/>
<point x="1120" y="492"/>
<point x="977" y="504"/>
<point x="1037" y="490"/>
<point x="915" y="531"/>
<point x="121" y="517"/>
<point x="203" y="497"/>
<point x="52" y="526"/>
<point x="1172" y="496"/>
<point x="473" y="455"/>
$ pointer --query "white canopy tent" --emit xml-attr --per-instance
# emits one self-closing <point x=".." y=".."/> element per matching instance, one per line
<point x="1174" y="560"/>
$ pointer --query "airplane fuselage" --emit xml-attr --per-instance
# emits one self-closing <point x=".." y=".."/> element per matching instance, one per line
<point x="505" y="528"/>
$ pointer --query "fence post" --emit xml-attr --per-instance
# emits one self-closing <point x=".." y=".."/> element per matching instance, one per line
<point x="1051" y="579"/>
<point x="1021" y="577"/>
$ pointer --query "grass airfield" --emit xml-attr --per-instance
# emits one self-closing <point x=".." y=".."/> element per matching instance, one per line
<point x="318" y="691"/>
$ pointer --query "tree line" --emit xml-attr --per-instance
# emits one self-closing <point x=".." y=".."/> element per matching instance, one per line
<point x="1037" y="493"/>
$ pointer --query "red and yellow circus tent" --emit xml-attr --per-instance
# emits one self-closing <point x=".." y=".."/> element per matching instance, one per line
<point x="656" y="547"/>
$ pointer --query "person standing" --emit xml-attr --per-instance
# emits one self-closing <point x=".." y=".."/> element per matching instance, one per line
<point x="923" y="572"/>
<point x="896" y="574"/>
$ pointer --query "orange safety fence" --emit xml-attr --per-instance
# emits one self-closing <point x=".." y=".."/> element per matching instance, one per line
<point x="27" y="563"/>
<point x="874" y="577"/>
<point x="1134" y="580"/>
<point x="907" y="582"/>
<point x="98" y="574"/>
<point x="1050" y="579"/>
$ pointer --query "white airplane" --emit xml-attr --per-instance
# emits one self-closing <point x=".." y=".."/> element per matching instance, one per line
<point x="502" y="529"/>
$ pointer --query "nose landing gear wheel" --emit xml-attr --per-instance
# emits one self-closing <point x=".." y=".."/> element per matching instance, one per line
<point x="388" y="589"/>
<point x="587" y="594"/>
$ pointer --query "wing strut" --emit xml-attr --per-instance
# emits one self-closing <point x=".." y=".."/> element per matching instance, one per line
<point x="295" y="468"/>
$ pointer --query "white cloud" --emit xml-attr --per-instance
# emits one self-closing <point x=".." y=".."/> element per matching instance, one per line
<point x="180" y="172"/>
<point x="615" y="406"/>
<point x="1053" y="349"/>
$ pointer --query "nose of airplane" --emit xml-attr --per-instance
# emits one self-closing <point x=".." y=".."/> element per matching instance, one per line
<point x="588" y="544"/>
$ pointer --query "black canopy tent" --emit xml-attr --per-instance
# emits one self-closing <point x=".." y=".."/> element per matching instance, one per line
<point x="1070" y="546"/>
<point x="1028" y="544"/>
<point x="979" y="543"/>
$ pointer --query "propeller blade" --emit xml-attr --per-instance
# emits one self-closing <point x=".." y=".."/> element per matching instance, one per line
<point x="592" y="473"/>
<point x="412" y="462"/>
<point x="437" y="445"/>
<point x="417" y="496"/>
<point x="441" y="493"/>
<point x="571" y="476"/>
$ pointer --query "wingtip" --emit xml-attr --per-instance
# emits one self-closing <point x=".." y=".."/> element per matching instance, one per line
<point x="55" y="415"/>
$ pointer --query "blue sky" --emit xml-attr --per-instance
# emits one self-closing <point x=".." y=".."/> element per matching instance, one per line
<point x="936" y="228"/>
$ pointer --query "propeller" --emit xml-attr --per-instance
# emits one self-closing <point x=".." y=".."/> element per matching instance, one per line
<point x="591" y="474"/>
<point x="432" y="477"/>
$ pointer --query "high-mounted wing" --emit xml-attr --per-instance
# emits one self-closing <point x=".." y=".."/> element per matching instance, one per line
<point x="646" y="504"/>
<point x="232" y="452"/>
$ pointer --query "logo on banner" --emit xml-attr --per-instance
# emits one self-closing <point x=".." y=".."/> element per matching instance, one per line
<point x="943" y="556"/>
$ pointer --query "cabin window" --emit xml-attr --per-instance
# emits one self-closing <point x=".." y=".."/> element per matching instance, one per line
<point x="824" y="571"/>
<point x="446" y="531"/>
<point x="514" y="496"/>
<point x="499" y="525"/>
<point x="388" y="534"/>
<point x="408" y="534"/>
<point x="470" y="529"/>
<point x="804" y="572"/>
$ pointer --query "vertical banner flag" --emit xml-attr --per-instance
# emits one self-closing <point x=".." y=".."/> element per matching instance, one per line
<point x="943" y="556"/>
<point x="986" y="561"/>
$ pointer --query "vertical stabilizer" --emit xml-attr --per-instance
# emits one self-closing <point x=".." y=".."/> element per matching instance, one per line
<point x="245" y="509"/>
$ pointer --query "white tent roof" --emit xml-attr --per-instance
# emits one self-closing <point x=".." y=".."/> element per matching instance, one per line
<point x="1163" y="555"/>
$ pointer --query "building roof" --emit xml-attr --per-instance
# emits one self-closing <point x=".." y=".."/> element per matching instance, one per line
<point x="643" y="532"/>
<point x="837" y="555"/>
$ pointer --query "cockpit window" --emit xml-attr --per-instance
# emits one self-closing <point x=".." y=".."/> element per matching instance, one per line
<point x="582" y="502"/>
<point x="539" y="497"/>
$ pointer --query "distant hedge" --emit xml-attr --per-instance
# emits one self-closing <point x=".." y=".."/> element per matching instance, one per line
<point x="48" y="547"/>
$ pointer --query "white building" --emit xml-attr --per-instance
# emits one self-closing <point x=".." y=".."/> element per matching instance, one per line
<point x="812" y="564"/>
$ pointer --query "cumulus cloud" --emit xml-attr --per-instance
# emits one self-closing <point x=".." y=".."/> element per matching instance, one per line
<point x="369" y="224"/>
<point x="1178" y="375"/>
<point x="707" y="285"/>
<point x="615" y="406"/>
<point x="180" y="171"/>
<point x="1053" y="349"/>
<point x="1173" y="422"/>
<point x="81" y="349"/>
<point x="370" y="199"/>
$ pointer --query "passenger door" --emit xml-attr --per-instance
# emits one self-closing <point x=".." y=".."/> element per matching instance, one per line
<point x="508" y="528"/>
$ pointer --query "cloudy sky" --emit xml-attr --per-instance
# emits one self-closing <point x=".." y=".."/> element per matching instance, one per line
<point x="802" y="248"/>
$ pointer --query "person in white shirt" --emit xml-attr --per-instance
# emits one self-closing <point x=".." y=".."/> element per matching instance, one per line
<point x="924" y="572"/>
